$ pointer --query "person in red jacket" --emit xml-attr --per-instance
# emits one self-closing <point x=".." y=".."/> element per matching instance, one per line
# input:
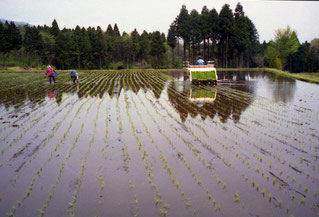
<point x="51" y="74"/>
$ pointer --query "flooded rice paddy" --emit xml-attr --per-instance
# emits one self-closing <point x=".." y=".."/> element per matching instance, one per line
<point x="148" y="143"/>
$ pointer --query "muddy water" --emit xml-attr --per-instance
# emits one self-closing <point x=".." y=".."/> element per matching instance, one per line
<point x="149" y="143"/>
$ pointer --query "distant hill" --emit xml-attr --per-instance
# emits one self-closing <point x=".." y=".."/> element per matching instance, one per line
<point x="18" y="23"/>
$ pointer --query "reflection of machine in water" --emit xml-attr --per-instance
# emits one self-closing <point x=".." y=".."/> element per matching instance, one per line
<point x="203" y="94"/>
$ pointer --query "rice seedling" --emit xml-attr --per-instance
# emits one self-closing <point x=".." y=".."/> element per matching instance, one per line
<point x="263" y="192"/>
<point x="236" y="197"/>
<point x="157" y="200"/>
<point x="10" y="214"/>
<point x="280" y="203"/>
<point x="292" y="196"/>
<point x="270" y="197"/>
<point x="302" y="200"/>
<point x="163" y="212"/>
<point x="101" y="182"/>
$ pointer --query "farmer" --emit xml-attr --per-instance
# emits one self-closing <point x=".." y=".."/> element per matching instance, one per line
<point x="51" y="74"/>
<point x="200" y="61"/>
<point x="74" y="76"/>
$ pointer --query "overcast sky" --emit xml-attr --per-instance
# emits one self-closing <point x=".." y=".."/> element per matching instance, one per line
<point x="151" y="15"/>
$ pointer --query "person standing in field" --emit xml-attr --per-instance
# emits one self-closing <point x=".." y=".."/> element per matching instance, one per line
<point x="74" y="76"/>
<point x="51" y="73"/>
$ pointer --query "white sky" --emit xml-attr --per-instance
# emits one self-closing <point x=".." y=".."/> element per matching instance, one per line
<point x="151" y="15"/>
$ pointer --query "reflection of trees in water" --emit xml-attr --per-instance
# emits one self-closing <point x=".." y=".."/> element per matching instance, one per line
<point x="283" y="89"/>
<point x="223" y="106"/>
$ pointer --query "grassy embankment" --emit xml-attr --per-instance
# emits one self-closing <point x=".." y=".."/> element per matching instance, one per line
<point x="308" y="77"/>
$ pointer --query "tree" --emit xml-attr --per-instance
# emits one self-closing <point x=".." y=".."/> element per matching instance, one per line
<point x="226" y="23"/>
<point x="135" y="45"/>
<point x="33" y="42"/>
<point x="171" y="39"/>
<point x="66" y="50"/>
<point x="183" y="27"/>
<point x="55" y="30"/>
<point x="145" y="46"/>
<point x="3" y="39"/>
<point x="284" y="44"/>
<point x="204" y="28"/>
<point x="116" y="30"/>
<point x="213" y="20"/>
<point x="157" y="49"/>
<point x="194" y="32"/>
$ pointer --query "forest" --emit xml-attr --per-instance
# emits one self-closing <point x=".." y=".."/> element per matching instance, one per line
<point x="228" y="37"/>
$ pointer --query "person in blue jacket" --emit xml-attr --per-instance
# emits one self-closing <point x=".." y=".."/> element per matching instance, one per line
<point x="74" y="76"/>
<point x="200" y="61"/>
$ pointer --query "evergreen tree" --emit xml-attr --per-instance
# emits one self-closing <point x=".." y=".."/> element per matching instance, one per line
<point x="66" y="50"/>
<point x="14" y="37"/>
<point x="135" y="45"/>
<point x="109" y="31"/>
<point x="55" y="30"/>
<point x="33" y="42"/>
<point x="241" y="32"/>
<point x="171" y="39"/>
<point x="145" y="46"/>
<point x="100" y="46"/>
<point x="194" y="33"/>
<point x="204" y="28"/>
<point x="226" y="23"/>
<point x="157" y="49"/>
<point x="116" y="31"/>
<point x="183" y="27"/>
<point x="3" y="39"/>
<point x="213" y="31"/>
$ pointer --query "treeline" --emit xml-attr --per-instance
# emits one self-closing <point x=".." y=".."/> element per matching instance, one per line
<point x="84" y="48"/>
<point x="286" y="52"/>
<point x="227" y="37"/>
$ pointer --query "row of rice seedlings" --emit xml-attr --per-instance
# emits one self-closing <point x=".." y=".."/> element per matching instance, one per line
<point x="183" y="158"/>
<point x="257" y="188"/>
<point x="91" y="86"/>
<point x="79" y="183"/>
<point x="189" y="145"/>
<point x="52" y="133"/>
<point x="162" y="206"/>
<point x="33" y="124"/>
<point x="40" y="116"/>
<point x="53" y="188"/>
<point x="52" y="191"/>
<point x="236" y="198"/>
<point x="268" y="118"/>
<point x="38" y="174"/>
<point x="98" y="85"/>
<point x="273" y="179"/>
<point x="126" y="156"/>
<point x="45" y="141"/>
<point x="165" y="162"/>
<point x="263" y="103"/>
<point x="103" y="149"/>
